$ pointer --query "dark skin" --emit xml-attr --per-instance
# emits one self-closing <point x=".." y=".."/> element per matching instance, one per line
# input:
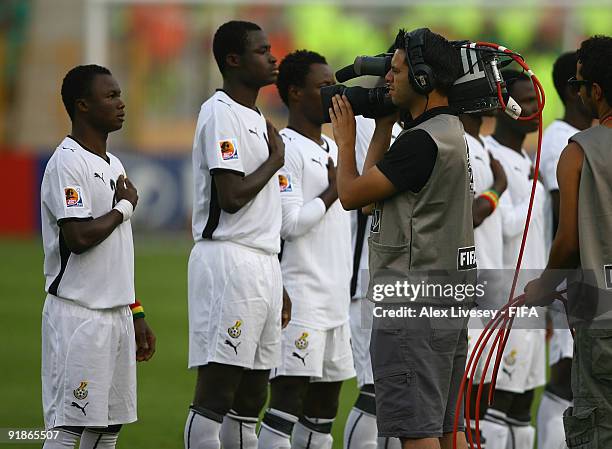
<point x="95" y="116"/>
<point x="306" y="117"/>
<point x="481" y="208"/>
<point x="221" y="387"/>
<point x="577" y="115"/>
<point x="565" y="251"/>
<point x="295" y="394"/>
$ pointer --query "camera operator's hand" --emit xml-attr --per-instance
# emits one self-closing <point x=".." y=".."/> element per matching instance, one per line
<point x="343" y="122"/>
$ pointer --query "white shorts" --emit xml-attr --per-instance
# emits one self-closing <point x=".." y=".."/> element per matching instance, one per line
<point x="322" y="355"/>
<point x="235" y="302"/>
<point x="561" y="346"/>
<point x="88" y="365"/>
<point x="523" y="365"/>
<point x="361" y="332"/>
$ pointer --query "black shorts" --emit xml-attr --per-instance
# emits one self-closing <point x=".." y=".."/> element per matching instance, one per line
<point x="417" y="376"/>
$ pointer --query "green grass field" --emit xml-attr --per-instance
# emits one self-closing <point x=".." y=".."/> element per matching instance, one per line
<point x="165" y="386"/>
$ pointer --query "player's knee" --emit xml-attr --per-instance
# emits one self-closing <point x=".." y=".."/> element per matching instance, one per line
<point x="250" y="405"/>
<point x="287" y="394"/>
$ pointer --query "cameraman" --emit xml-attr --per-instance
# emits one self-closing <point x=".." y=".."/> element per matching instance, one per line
<point x="422" y="221"/>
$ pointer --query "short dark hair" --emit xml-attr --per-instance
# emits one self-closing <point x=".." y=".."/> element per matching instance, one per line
<point x="563" y="69"/>
<point x="293" y="70"/>
<point x="511" y="76"/>
<point x="595" y="55"/>
<point x="77" y="84"/>
<point x="231" y="37"/>
<point x="440" y="55"/>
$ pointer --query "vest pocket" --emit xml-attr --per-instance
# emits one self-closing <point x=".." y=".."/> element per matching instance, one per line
<point x="601" y="354"/>
<point x="580" y="428"/>
<point x="389" y="257"/>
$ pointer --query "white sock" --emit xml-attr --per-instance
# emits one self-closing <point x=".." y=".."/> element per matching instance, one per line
<point x="360" y="431"/>
<point x="494" y="429"/>
<point x="551" y="433"/>
<point x="312" y="433"/>
<point x="202" y="429"/>
<point x="522" y="435"/>
<point x="65" y="439"/>
<point x="275" y="430"/>
<point x="238" y="432"/>
<point x="94" y="439"/>
<point x="390" y="443"/>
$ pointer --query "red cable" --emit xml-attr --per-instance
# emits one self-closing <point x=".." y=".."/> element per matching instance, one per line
<point x="506" y="322"/>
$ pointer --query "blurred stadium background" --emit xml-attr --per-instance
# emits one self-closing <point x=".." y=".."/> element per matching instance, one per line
<point x="160" y="52"/>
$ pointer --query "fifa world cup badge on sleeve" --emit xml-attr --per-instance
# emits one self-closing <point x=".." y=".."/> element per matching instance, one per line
<point x="284" y="182"/>
<point x="73" y="196"/>
<point x="228" y="149"/>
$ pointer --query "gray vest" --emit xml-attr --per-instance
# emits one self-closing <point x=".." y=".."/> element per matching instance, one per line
<point x="427" y="237"/>
<point x="595" y="219"/>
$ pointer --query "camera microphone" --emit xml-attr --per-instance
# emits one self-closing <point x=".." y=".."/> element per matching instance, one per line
<point x="372" y="65"/>
<point x="346" y="73"/>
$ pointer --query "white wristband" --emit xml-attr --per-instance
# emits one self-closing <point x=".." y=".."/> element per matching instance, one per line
<point x="126" y="209"/>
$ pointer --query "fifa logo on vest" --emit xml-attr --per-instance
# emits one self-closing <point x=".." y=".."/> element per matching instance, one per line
<point x="466" y="258"/>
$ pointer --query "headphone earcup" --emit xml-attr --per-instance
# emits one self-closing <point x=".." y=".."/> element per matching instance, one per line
<point x="422" y="79"/>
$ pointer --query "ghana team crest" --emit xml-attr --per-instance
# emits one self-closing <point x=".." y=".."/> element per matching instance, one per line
<point x="81" y="391"/>
<point x="235" y="330"/>
<point x="302" y="342"/>
<point x="73" y="196"/>
<point x="284" y="183"/>
<point x="510" y="359"/>
<point x="228" y="149"/>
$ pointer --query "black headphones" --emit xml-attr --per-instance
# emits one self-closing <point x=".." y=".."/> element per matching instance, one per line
<point x="421" y="75"/>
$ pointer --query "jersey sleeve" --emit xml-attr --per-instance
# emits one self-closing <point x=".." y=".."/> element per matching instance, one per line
<point x="298" y="218"/>
<point x="65" y="189"/>
<point x="222" y="144"/>
<point x="410" y="161"/>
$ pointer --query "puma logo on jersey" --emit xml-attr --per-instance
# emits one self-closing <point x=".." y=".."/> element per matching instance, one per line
<point x="99" y="176"/>
<point x="74" y="404"/>
<point x="507" y="372"/>
<point x="253" y="132"/>
<point x="317" y="161"/>
<point x="234" y="346"/>
<point x="303" y="359"/>
<point x="68" y="148"/>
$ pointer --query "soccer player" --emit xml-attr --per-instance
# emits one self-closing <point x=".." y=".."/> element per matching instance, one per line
<point x="90" y="339"/>
<point x="415" y="227"/>
<point x="558" y="393"/>
<point x="523" y="364"/>
<point x="360" y="430"/>
<point x="489" y="186"/>
<point x="235" y="288"/>
<point x="584" y="175"/>
<point x="316" y="349"/>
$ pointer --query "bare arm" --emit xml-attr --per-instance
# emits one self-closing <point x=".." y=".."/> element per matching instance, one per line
<point x="481" y="208"/>
<point x="81" y="235"/>
<point x="235" y="190"/>
<point x="355" y="191"/>
<point x="565" y="251"/>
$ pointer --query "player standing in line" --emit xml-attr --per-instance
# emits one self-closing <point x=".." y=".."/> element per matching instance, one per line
<point x="582" y="242"/>
<point x="316" y="347"/>
<point x="412" y="184"/>
<point x="558" y="393"/>
<point x="489" y="186"/>
<point x="360" y="430"/>
<point x="523" y="364"/>
<point x="90" y="339"/>
<point x="235" y="288"/>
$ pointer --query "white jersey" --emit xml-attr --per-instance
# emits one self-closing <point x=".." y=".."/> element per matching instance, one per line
<point x="78" y="184"/>
<point x="230" y="136"/>
<point x="488" y="237"/>
<point x="359" y="280"/>
<point x="554" y="140"/>
<point x="316" y="262"/>
<point x="514" y="204"/>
